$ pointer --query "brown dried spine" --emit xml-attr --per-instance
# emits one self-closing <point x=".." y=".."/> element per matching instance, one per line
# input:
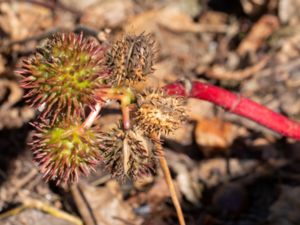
<point x="131" y="59"/>
<point x="128" y="153"/>
<point x="159" y="113"/>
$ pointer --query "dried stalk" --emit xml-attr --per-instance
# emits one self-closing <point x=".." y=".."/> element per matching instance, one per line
<point x="170" y="184"/>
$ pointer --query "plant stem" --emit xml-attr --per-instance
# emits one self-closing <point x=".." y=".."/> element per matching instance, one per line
<point x="126" y="117"/>
<point x="123" y="94"/>
<point x="170" y="184"/>
<point x="92" y="116"/>
<point x="239" y="105"/>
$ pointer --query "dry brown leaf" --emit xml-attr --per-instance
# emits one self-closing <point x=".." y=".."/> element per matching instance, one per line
<point x="183" y="51"/>
<point x="143" y="182"/>
<point x="108" y="13"/>
<point x="254" y="7"/>
<point x="79" y="5"/>
<point x="10" y="94"/>
<point x="171" y="18"/>
<point x="141" y="22"/>
<point x="191" y="7"/>
<point x="158" y="194"/>
<point x="197" y="110"/>
<point x="213" y="18"/>
<point x="214" y="171"/>
<point x="191" y="189"/>
<point x="188" y="185"/>
<point x="2" y="65"/>
<point x="182" y="136"/>
<point x="258" y="34"/>
<point x="286" y="40"/>
<point x="13" y="91"/>
<point x="186" y="175"/>
<point x="174" y="19"/>
<point x="15" y="117"/>
<point x="108" y="206"/>
<point x="20" y="19"/>
<point x="214" y="134"/>
<point x="288" y="11"/>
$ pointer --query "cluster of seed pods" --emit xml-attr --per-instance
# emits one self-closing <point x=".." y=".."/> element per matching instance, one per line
<point x="69" y="79"/>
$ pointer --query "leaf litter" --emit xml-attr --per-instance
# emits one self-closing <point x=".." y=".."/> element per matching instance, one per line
<point x="226" y="170"/>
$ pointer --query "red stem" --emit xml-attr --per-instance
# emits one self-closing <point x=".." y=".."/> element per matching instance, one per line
<point x="239" y="105"/>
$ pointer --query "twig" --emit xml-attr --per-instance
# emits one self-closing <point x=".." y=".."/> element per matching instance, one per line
<point x="12" y="212"/>
<point x="170" y="184"/>
<point x="48" y="33"/>
<point x="35" y="204"/>
<point x="16" y="186"/>
<point x="219" y="72"/>
<point x="238" y="105"/>
<point x="38" y="37"/>
<point x="83" y="208"/>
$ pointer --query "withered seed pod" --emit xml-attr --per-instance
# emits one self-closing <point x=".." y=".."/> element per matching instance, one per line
<point x="65" y="150"/>
<point x="158" y="112"/>
<point x="63" y="74"/>
<point x="128" y="153"/>
<point x="131" y="59"/>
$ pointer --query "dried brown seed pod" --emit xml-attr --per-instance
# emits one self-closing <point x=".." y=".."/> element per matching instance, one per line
<point x="62" y="76"/>
<point x="65" y="150"/>
<point x="128" y="153"/>
<point x="131" y="59"/>
<point x="159" y="113"/>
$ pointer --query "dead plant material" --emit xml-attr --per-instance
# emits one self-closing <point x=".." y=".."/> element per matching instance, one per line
<point x="219" y="72"/>
<point x="258" y="34"/>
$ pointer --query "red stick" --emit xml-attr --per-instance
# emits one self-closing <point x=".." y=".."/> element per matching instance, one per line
<point x="238" y="105"/>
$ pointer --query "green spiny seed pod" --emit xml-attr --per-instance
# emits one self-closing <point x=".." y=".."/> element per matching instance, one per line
<point x="158" y="112"/>
<point x="128" y="153"/>
<point x="63" y="74"/>
<point x="65" y="150"/>
<point x="131" y="59"/>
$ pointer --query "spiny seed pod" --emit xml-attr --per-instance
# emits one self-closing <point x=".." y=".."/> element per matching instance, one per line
<point x="65" y="150"/>
<point x="158" y="112"/>
<point x="131" y="59"/>
<point x="63" y="74"/>
<point x="128" y="153"/>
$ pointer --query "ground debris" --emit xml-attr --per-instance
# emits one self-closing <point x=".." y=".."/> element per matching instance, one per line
<point x="227" y="170"/>
<point x="285" y="210"/>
